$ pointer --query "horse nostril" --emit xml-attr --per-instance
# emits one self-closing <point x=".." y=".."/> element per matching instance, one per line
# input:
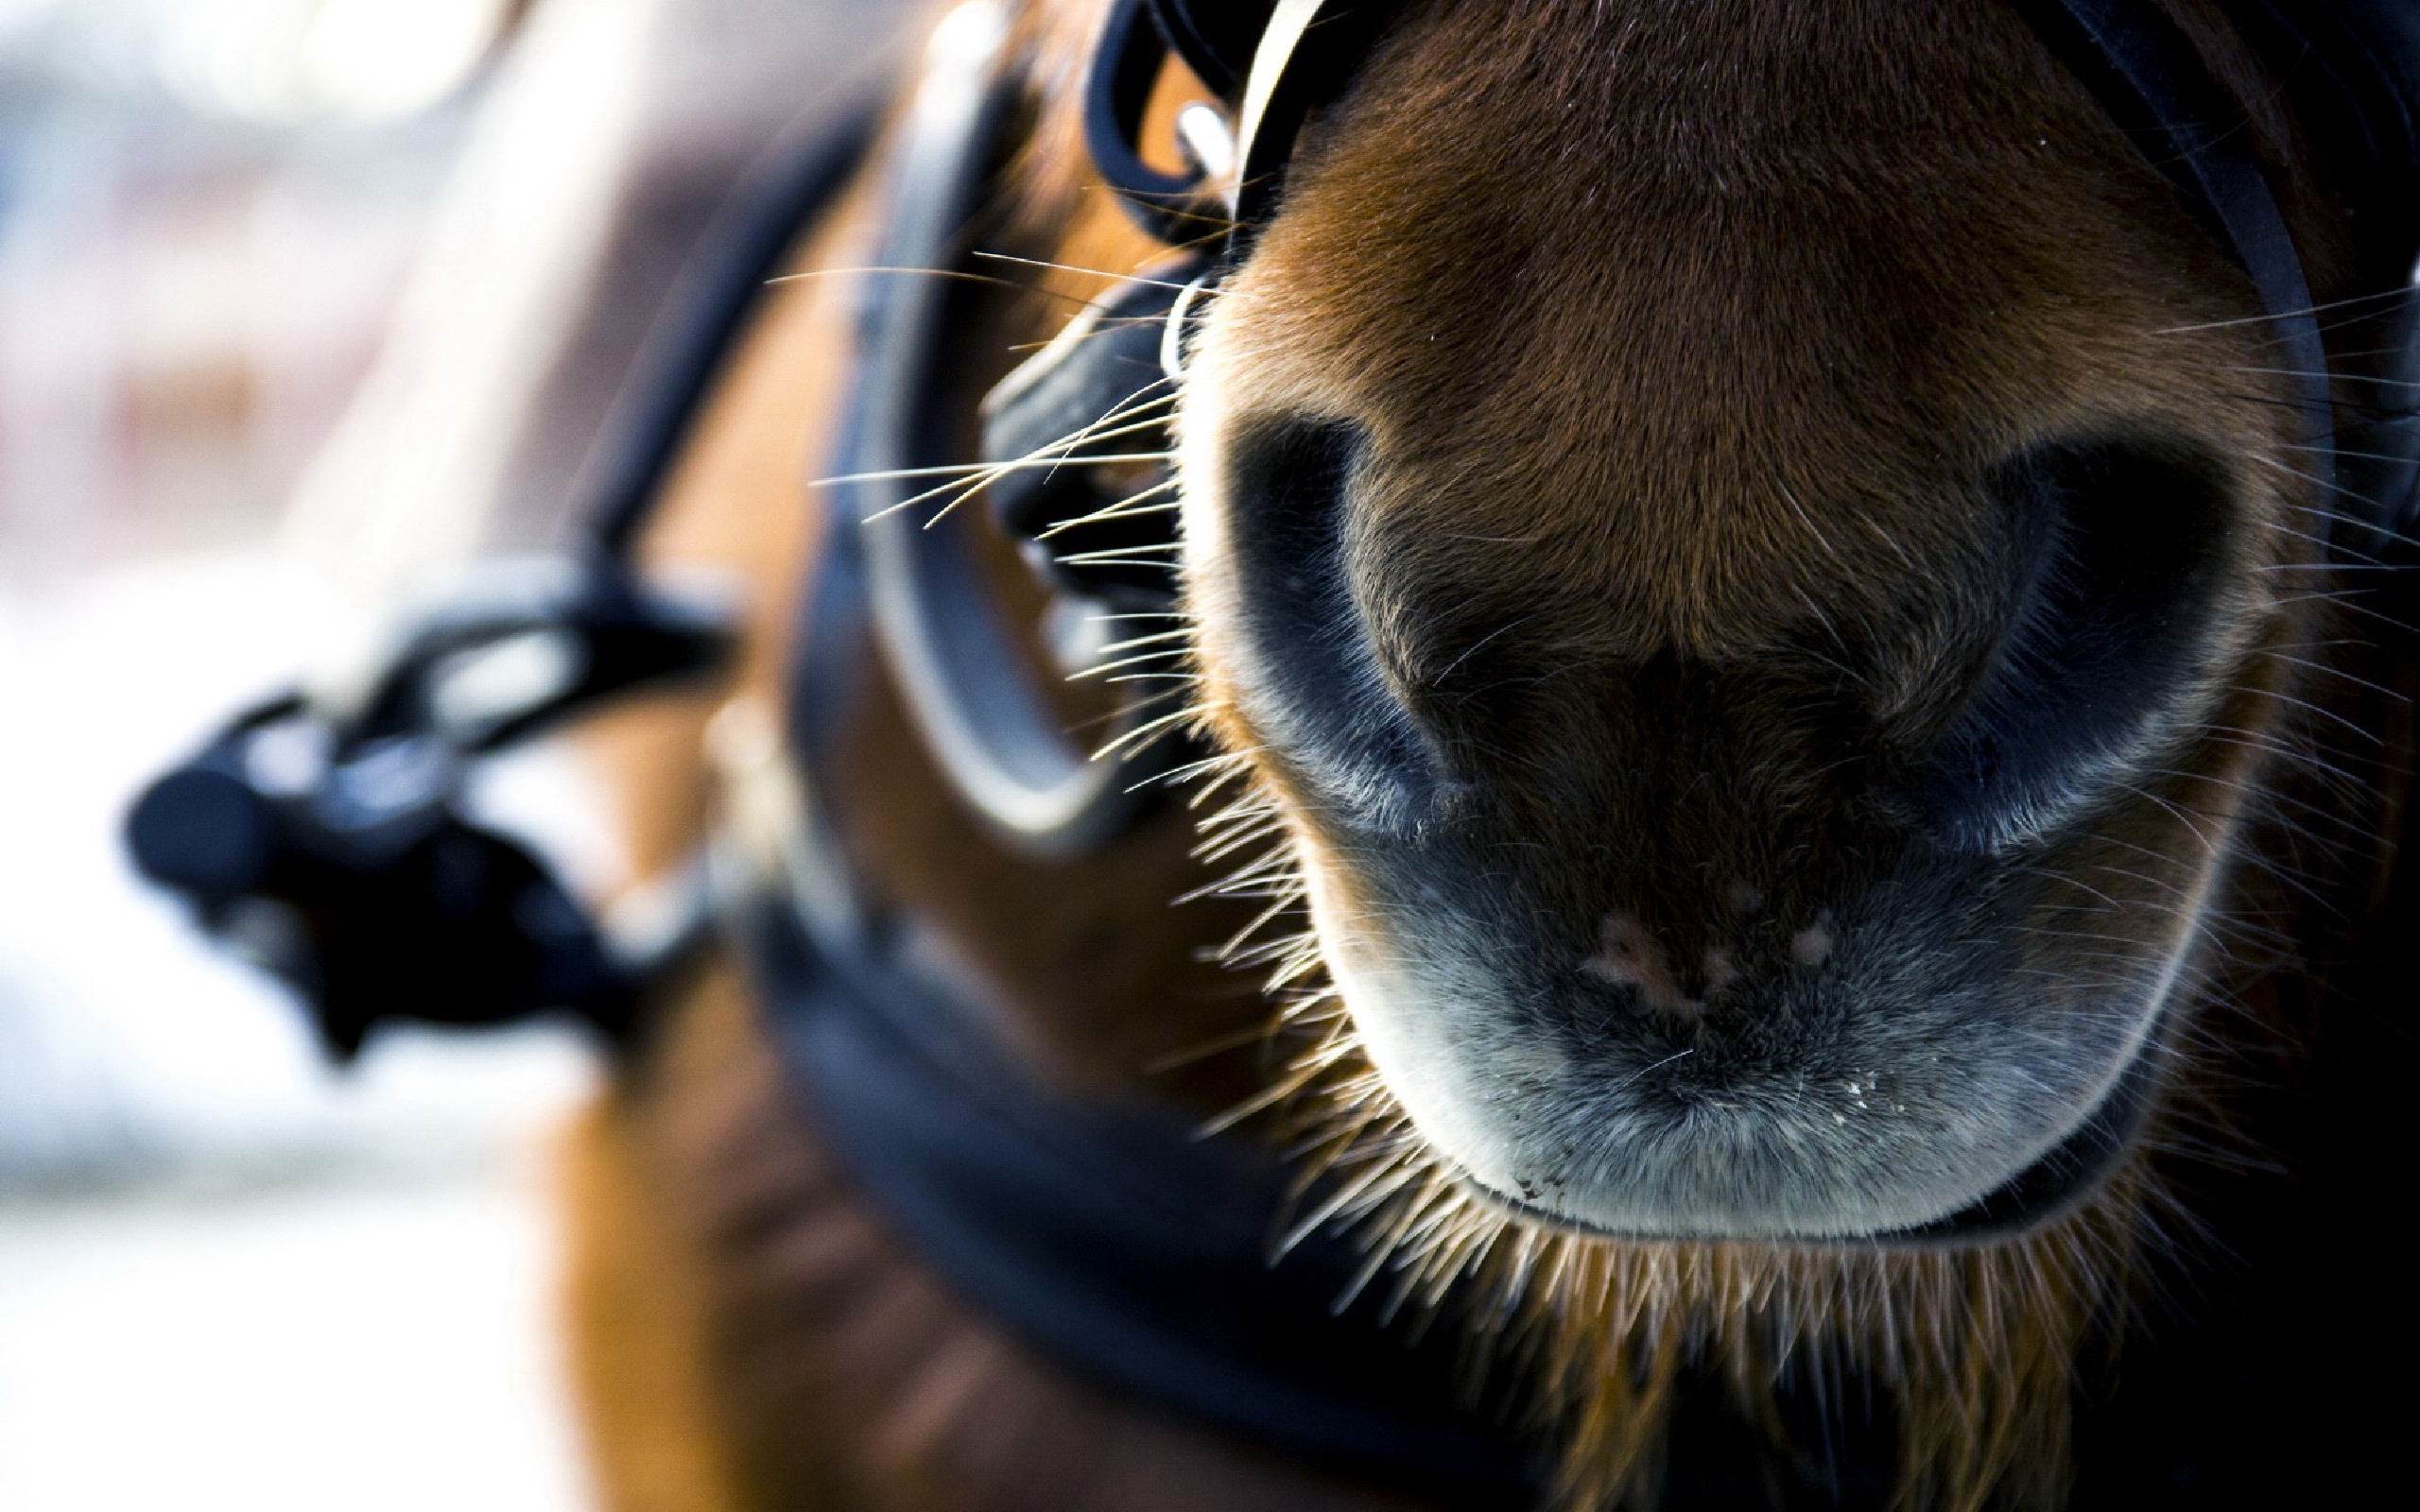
<point x="1285" y="516"/>
<point x="2121" y="543"/>
<point x="1315" y="686"/>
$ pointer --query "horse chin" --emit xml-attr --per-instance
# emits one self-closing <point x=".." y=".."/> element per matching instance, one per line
<point x="1912" y="1149"/>
<point x="2062" y="1181"/>
<point x="1665" y="1181"/>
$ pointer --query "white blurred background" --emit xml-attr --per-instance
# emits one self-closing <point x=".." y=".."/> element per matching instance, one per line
<point x="300" y="301"/>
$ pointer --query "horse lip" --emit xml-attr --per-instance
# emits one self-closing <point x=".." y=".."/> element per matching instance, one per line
<point x="2055" y="1184"/>
<point x="2063" y="1178"/>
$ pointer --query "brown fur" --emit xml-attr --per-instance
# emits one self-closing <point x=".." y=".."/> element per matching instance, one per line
<point x="747" y="1333"/>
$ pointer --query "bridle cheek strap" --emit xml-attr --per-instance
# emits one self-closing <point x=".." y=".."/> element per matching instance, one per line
<point x="1271" y="116"/>
<point x="2151" y="82"/>
<point x="1306" y="52"/>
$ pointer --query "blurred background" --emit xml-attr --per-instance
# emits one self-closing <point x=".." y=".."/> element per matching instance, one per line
<point x="302" y="301"/>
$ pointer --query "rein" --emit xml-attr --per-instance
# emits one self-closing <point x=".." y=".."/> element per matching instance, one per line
<point x="1106" y="1234"/>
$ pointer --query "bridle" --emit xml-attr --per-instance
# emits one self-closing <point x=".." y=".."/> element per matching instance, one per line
<point x="1057" y="1213"/>
<point x="989" y="727"/>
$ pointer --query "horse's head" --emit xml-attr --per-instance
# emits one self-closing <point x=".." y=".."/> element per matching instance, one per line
<point x="1761" y="553"/>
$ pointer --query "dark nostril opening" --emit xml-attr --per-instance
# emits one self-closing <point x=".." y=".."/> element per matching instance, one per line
<point x="1316" y="690"/>
<point x="1287" y="520"/>
<point x="2122" y="543"/>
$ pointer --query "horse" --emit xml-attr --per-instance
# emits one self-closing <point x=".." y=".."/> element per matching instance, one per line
<point x="1818" y="764"/>
<point x="1773" y="634"/>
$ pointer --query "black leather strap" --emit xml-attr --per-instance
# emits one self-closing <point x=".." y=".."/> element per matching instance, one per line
<point x="2148" y="77"/>
<point x="1216" y="37"/>
<point x="1127" y="59"/>
<point x="1110" y="1235"/>
<point x="1309" y="55"/>
<point x="2350" y="71"/>
<point x="1112" y="1241"/>
<point x="978" y="700"/>
<point x="692" y="340"/>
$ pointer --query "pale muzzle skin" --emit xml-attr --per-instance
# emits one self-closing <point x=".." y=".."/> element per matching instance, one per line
<point x="1891" y="1099"/>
